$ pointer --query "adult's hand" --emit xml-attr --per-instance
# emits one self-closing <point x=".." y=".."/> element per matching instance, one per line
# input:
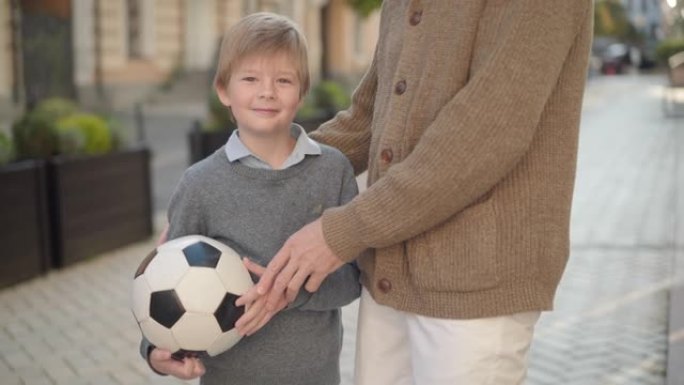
<point x="256" y="314"/>
<point x="305" y="255"/>
<point x="187" y="369"/>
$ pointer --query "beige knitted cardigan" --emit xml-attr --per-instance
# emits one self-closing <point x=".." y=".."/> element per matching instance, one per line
<point x="467" y="122"/>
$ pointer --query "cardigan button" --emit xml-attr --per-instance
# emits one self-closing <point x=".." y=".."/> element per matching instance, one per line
<point x="400" y="87"/>
<point x="416" y="17"/>
<point x="386" y="155"/>
<point x="384" y="285"/>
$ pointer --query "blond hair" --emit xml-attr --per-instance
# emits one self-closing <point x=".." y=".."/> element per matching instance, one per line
<point x="263" y="33"/>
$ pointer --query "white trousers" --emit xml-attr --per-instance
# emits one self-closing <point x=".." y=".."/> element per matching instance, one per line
<point x="399" y="348"/>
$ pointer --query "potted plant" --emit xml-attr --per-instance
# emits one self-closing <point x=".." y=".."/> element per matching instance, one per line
<point x="24" y="226"/>
<point x="365" y="7"/>
<point x="99" y="193"/>
<point x="321" y="104"/>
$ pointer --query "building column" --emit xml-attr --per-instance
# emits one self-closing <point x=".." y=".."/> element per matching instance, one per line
<point x="6" y="53"/>
<point x="148" y="48"/>
<point x="230" y="11"/>
<point x="314" y="33"/>
<point x="83" y="41"/>
<point x="200" y="35"/>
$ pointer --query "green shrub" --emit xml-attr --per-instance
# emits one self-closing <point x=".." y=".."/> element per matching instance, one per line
<point x="97" y="137"/>
<point x="35" y="136"/>
<point x="308" y="109"/>
<point x="55" y="108"/>
<point x="365" y="7"/>
<point x="331" y="95"/>
<point x="117" y="133"/>
<point x="325" y="99"/>
<point x="6" y="149"/>
<point x="611" y="19"/>
<point x="56" y="126"/>
<point x="71" y="141"/>
<point x="669" y="47"/>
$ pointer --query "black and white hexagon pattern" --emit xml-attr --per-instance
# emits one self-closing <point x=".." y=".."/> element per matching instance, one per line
<point x="184" y="295"/>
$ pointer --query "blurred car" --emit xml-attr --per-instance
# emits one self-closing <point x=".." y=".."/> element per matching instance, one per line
<point x="615" y="58"/>
<point x="611" y="56"/>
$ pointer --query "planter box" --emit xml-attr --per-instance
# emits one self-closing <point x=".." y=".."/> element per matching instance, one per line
<point x="24" y="225"/>
<point x="98" y="203"/>
<point x="204" y="143"/>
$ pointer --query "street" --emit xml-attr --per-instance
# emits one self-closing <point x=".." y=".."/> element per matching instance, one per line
<point x="165" y="132"/>
<point x="609" y="326"/>
<point x="610" y="321"/>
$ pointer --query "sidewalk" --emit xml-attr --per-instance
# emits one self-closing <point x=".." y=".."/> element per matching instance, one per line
<point x="74" y="326"/>
<point x="610" y="321"/>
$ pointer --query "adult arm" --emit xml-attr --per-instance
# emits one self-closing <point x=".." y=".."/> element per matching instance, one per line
<point x="481" y="133"/>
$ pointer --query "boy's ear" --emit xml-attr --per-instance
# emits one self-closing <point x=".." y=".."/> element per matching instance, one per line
<point x="222" y="94"/>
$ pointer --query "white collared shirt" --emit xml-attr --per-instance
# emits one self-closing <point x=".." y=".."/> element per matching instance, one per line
<point x="237" y="151"/>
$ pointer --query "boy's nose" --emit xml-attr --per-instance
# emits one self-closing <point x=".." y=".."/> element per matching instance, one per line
<point x="267" y="90"/>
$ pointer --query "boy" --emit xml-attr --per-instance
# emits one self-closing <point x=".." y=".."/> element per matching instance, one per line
<point x="269" y="180"/>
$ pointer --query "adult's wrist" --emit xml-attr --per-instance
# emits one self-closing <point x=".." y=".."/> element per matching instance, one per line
<point x="341" y="230"/>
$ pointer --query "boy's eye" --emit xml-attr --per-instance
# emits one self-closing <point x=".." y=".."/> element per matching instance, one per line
<point x="285" y="80"/>
<point x="249" y="78"/>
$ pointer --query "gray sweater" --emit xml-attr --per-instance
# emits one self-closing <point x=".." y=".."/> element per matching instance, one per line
<point x="255" y="211"/>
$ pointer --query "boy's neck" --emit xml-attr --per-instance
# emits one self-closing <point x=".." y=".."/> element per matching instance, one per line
<point x="272" y="149"/>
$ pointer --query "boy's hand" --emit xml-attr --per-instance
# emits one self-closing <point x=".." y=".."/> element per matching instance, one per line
<point x="164" y="234"/>
<point x="256" y="314"/>
<point x="187" y="369"/>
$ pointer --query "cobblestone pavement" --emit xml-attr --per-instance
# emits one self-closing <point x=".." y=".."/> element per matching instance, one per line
<point x="610" y="321"/>
<point x="74" y="326"/>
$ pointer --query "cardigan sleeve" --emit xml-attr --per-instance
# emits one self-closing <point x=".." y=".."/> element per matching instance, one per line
<point x="481" y="133"/>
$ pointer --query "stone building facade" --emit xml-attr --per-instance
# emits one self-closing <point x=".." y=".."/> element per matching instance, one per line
<point x="115" y="45"/>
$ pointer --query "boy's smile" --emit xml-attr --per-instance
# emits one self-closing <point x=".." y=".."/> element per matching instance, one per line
<point x="263" y="94"/>
<point x="266" y="112"/>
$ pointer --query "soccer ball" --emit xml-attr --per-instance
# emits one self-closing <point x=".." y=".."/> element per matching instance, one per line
<point x="184" y="296"/>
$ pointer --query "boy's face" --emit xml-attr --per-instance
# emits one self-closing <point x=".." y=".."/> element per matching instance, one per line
<point x="263" y="94"/>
